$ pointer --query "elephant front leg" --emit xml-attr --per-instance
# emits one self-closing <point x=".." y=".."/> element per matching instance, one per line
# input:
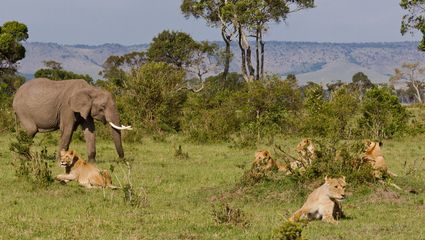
<point x="90" y="138"/>
<point x="65" y="138"/>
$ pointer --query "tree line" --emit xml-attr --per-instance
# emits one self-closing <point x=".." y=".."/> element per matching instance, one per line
<point x="179" y="85"/>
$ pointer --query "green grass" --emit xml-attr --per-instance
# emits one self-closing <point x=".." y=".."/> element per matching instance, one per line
<point x="182" y="193"/>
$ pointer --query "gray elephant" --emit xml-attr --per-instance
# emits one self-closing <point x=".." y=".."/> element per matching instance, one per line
<point x="43" y="105"/>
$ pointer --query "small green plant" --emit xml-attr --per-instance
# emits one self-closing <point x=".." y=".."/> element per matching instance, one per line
<point x="289" y="231"/>
<point x="31" y="165"/>
<point x="132" y="197"/>
<point x="180" y="154"/>
<point x="225" y="214"/>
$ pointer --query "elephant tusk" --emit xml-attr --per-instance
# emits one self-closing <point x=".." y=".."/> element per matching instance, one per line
<point x="121" y="128"/>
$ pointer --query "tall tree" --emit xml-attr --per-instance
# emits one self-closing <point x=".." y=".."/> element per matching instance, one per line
<point x="12" y="34"/>
<point x="413" y="74"/>
<point x="116" y="68"/>
<point x="246" y="18"/>
<point x="172" y="47"/>
<point x="414" y="19"/>
<point x="182" y="51"/>
<point x="11" y="50"/>
<point x="216" y="13"/>
<point x="251" y="18"/>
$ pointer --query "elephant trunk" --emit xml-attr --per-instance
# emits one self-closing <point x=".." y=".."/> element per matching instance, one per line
<point x="116" y="133"/>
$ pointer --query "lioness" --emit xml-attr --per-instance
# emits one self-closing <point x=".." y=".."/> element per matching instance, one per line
<point x="307" y="151"/>
<point x="323" y="203"/>
<point x="87" y="174"/>
<point x="265" y="162"/>
<point x="374" y="155"/>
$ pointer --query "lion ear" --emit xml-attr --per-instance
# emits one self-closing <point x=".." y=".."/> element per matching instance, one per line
<point x="326" y="178"/>
<point x="343" y="178"/>
<point x="62" y="152"/>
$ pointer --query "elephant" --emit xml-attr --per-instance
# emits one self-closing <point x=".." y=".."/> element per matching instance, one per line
<point x="43" y="105"/>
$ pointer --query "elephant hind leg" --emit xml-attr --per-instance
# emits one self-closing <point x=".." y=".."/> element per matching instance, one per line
<point x="26" y="123"/>
<point x="30" y="127"/>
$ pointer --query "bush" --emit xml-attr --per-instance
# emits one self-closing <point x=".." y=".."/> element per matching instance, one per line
<point x="382" y="114"/>
<point x="34" y="166"/>
<point x="289" y="231"/>
<point x="245" y="113"/>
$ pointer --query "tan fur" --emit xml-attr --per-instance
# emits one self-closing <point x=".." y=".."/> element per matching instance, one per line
<point x="373" y="155"/>
<point x="265" y="162"/>
<point x="307" y="151"/>
<point x="324" y="202"/>
<point x="86" y="174"/>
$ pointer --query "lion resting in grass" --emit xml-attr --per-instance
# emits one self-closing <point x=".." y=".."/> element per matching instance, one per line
<point x="264" y="162"/>
<point x="373" y="155"/>
<point x="324" y="202"/>
<point x="86" y="174"/>
<point x="307" y="151"/>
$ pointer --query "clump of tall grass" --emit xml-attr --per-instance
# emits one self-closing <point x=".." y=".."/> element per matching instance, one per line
<point x="223" y="213"/>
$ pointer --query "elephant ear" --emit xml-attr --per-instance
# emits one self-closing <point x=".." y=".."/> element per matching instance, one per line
<point x="81" y="102"/>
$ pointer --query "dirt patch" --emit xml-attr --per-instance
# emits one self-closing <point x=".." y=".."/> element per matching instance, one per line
<point x="385" y="195"/>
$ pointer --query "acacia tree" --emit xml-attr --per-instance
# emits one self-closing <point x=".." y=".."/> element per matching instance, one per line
<point x="252" y="19"/>
<point x="414" y="19"/>
<point x="413" y="74"/>
<point x="182" y="51"/>
<point x="246" y="18"/>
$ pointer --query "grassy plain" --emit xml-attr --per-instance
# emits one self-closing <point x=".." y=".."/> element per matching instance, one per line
<point x="181" y="195"/>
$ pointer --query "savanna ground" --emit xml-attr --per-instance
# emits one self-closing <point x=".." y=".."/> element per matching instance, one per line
<point x="182" y="193"/>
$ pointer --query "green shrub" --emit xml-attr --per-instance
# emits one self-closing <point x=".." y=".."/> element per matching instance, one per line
<point x="32" y="165"/>
<point x="289" y="231"/>
<point x="382" y="114"/>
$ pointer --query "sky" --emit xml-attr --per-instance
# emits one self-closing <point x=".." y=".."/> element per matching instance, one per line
<point x="131" y="22"/>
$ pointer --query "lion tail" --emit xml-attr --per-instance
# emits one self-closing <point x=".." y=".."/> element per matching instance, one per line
<point x="296" y="216"/>
<point x="108" y="179"/>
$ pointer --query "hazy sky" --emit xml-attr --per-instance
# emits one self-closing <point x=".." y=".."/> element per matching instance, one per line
<point x="138" y="21"/>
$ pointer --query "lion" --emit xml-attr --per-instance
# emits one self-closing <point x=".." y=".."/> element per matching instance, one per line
<point x="307" y="151"/>
<point x="86" y="174"/>
<point x="324" y="202"/>
<point x="373" y="155"/>
<point x="265" y="162"/>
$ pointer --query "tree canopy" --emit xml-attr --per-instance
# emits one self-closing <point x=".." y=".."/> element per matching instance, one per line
<point x="414" y="19"/>
<point x="54" y="71"/>
<point x="11" y="50"/>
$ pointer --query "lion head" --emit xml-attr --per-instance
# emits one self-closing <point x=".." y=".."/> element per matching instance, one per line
<point x="371" y="146"/>
<point x="262" y="155"/>
<point x="306" y="145"/>
<point x="67" y="158"/>
<point x="336" y="187"/>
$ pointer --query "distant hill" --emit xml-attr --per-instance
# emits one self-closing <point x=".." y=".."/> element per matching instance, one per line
<point x="310" y="61"/>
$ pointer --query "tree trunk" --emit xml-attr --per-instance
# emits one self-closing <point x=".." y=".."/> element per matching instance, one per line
<point x="243" y="55"/>
<point x="257" y="54"/>
<point x="262" y="55"/>
<point x="227" y="41"/>
<point x="418" y="92"/>
<point x="249" y="63"/>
